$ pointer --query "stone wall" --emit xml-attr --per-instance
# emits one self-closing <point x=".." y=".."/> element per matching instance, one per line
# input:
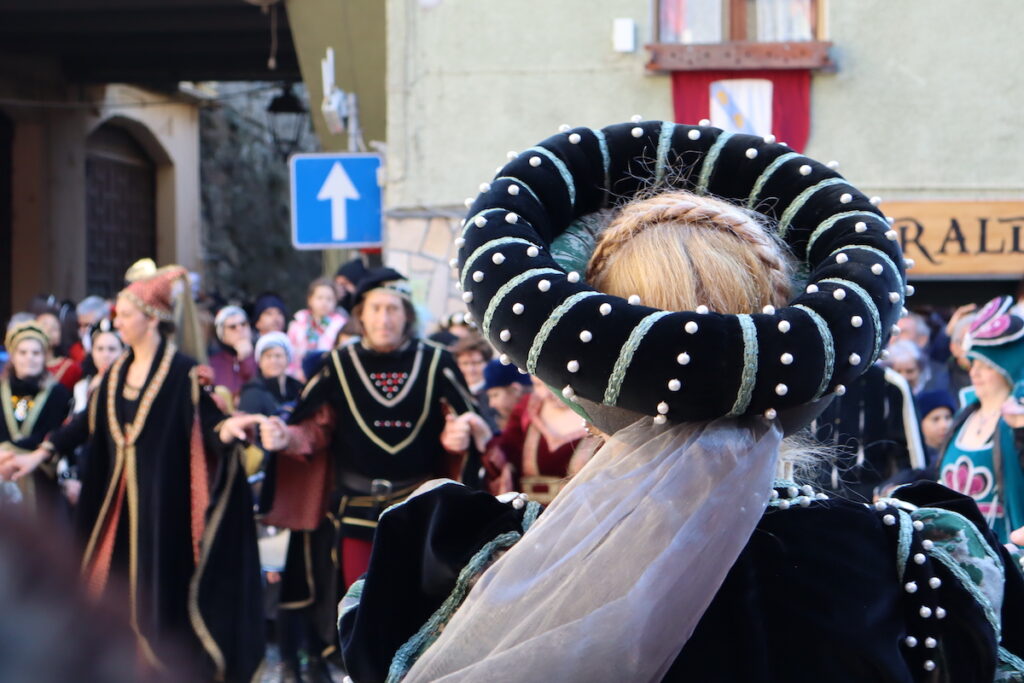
<point x="419" y="244"/>
<point x="245" y="202"/>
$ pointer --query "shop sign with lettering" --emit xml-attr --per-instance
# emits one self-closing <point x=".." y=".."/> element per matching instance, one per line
<point x="976" y="239"/>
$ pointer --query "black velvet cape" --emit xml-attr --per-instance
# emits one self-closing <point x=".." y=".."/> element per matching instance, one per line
<point x="814" y="596"/>
<point x="212" y="608"/>
<point x="41" y="486"/>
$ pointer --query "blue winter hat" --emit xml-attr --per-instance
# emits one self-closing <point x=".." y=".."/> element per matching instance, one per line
<point x="498" y="375"/>
<point x="927" y="401"/>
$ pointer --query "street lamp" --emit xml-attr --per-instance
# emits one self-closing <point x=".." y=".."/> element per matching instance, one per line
<point x="287" y="116"/>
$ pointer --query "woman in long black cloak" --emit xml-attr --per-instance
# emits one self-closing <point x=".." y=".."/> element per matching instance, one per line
<point x="160" y="509"/>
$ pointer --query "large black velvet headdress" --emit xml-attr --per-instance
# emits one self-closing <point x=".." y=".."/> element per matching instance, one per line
<point x="698" y="365"/>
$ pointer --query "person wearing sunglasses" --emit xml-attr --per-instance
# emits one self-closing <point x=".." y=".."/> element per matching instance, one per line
<point x="233" y="365"/>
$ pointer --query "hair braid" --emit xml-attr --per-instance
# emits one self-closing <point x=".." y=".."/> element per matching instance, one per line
<point x="683" y="212"/>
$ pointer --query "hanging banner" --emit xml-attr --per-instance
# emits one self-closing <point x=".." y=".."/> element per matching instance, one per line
<point x="957" y="239"/>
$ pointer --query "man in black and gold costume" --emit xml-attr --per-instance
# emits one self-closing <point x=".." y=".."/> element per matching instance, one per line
<point x="364" y="435"/>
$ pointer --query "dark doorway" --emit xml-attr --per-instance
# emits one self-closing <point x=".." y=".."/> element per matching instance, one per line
<point x="120" y="219"/>
<point x="6" y="261"/>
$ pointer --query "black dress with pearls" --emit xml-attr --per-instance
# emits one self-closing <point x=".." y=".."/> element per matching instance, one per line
<point x="915" y="589"/>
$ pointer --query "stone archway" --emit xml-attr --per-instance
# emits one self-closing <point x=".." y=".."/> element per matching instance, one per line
<point x="121" y="197"/>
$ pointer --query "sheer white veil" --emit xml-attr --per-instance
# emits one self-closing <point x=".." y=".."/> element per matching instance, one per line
<point x="612" y="579"/>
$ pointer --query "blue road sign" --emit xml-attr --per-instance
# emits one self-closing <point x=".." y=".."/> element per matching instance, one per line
<point x="337" y="201"/>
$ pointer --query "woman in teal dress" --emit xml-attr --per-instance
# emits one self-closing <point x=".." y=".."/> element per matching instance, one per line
<point x="983" y="456"/>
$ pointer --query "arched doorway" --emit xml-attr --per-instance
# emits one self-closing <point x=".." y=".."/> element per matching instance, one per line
<point x="120" y="186"/>
<point x="6" y="215"/>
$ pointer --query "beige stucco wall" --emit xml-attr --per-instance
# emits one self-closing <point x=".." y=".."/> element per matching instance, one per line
<point x="49" y="203"/>
<point x="926" y="100"/>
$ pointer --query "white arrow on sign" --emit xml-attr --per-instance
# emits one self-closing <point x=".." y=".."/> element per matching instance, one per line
<point x="338" y="188"/>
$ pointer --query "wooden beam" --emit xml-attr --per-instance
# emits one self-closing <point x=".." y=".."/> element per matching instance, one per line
<point x="739" y="56"/>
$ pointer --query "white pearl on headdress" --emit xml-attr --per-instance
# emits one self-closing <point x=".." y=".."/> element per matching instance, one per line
<point x="783" y="504"/>
<point x="890" y="220"/>
<point x="575" y="138"/>
<point x="877" y="269"/>
<point x="605" y="308"/>
<point x="478" y="276"/>
<point x="845" y="198"/>
<point x="881" y="505"/>
<point x="573" y="366"/>
<point x="467" y="297"/>
<point x="567" y="391"/>
<point x="485" y="187"/>
<point x="513" y="190"/>
<point x="894" y="330"/>
<point x="504" y="359"/>
<point x="884" y="354"/>
<point x="662" y="408"/>
<point x="504" y="335"/>
<point x="805" y="169"/>
<point x="812" y="289"/>
<point x="768" y="310"/>
<point x="911" y="587"/>
<point x="564" y="128"/>
<point x="925" y="611"/>
<point x="935" y="582"/>
<point x="704" y="122"/>
<point x="468" y="201"/>
<point x="854" y="359"/>
<point x="860" y="226"/>
<point x="544" y="285"/>
<point x="930" y="642"/>
<point x="781" y="389"/>
<point x="498" y="170"/>
<point x="894" y="297"/>
<point x="634" y="299"/>
<point x="909" y="290"/>
<point x="833" y="164"/>
<point x="453" y="263"/>
<point x="875" y="201"/>
<point x="770" y="414"/>
<point x="911" y="641"/>
<point x="888" y="520"/>
<point x="842" y="258"/>
<point x="479" y="221"/>
<point x="839" y="294"/>
<point x="769" y="139"/>
<point x="694" y="134"/>
<point x="535" y="161"/>
<point x="674" y="385"/>
<point x="459" y="242"/>
<point x="702" y="309"/>
<point x="498" y="258"/>
<point x="940" y="613"/>
<point x="840" y="390"/>
<point x="856" y="321"/>
<point x="660" y="419"/>
<point x="532" y="251"/>
<point x="683" y="358"/>
<point x="919" y="558"/>
<point x="908" y="263"/>
<point x="636" y="118"/>
<point x="918" y="525"/>
<point x="511" y="154"/>
<point x="786" y="359"/>
<point x="586" y="336"/>
<point x="927" y="544"/>
<point x="637" y="132"/>
<point x="455" y="276"/>
<point x="690" y="327"/>
<point x="573" y="277"/>
<point x="891" y="235"/>
<point x="784" y="326"/>
<point x="929" y="665"/>
<point x="468" y="318"/>
<point x="511" y="217"/>
<point x="751" y="153"/>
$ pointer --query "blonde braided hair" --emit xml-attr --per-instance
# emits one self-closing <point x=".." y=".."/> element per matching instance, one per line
<point x="678" y="251"/>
